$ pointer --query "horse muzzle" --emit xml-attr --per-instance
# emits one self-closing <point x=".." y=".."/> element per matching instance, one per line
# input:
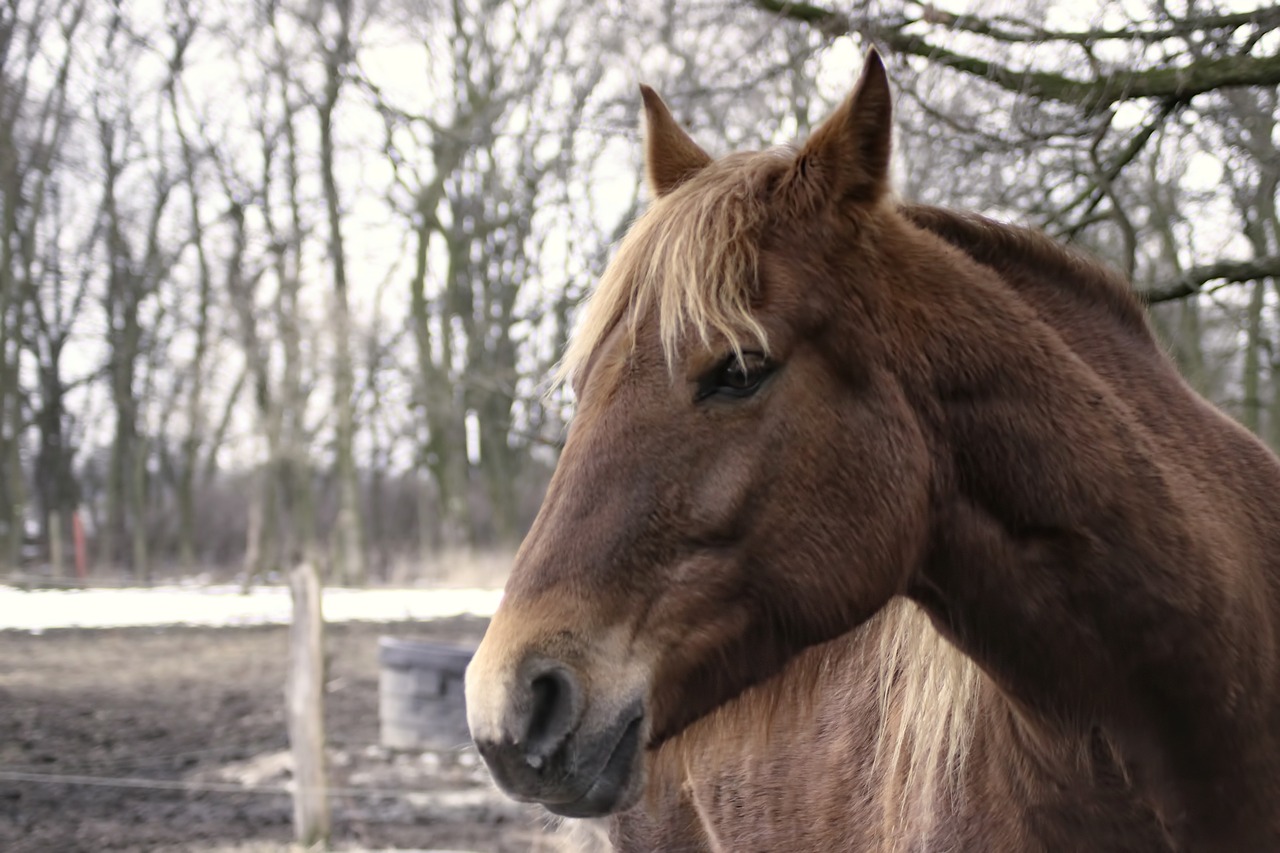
<point x="542" y="743"/>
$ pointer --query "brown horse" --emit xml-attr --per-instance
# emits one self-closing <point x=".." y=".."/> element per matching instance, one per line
<point x="883" y="527"/>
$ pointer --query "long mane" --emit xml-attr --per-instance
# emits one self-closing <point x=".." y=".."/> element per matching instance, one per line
<point x="917" y="745"/>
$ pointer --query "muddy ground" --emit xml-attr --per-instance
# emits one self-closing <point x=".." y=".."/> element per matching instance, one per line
<point x="198" y="713"/>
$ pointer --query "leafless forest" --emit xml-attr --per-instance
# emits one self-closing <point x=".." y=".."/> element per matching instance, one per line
<point x="284" y="278"/>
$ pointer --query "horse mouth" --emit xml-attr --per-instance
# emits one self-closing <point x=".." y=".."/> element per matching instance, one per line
<point x="615" y="787"/>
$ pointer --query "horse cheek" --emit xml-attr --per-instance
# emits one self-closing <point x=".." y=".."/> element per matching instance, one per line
<point x="877" y="494"/>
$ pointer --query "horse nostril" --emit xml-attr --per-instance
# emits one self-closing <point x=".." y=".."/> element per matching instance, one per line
<point x="556" y="701"/>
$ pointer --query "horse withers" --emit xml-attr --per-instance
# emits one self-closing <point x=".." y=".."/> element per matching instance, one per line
<point x="885" y="527"/>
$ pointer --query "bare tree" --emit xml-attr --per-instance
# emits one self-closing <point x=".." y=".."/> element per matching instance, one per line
<point x="133" y="272"/>
<point x="33" y="127"/>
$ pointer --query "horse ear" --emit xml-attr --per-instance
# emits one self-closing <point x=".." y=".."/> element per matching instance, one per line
<point x="671" y="157"/>
<point x="848" y="155"/>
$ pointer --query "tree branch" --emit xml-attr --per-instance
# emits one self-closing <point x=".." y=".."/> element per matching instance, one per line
<point x="1092" y="194"/>
<point x="1015" y="31"/>
<point x="1228" y="272"/>
<point x="1179" y="84"/>
<point x="824" y="19"/>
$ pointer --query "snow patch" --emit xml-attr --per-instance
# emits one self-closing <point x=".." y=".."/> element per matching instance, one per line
<point x="225" y="606"/>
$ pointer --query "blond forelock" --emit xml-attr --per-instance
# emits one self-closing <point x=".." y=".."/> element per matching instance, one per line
<point x="692" y="260"/>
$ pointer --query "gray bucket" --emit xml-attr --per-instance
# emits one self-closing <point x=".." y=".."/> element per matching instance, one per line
<point x="420" y="697"/>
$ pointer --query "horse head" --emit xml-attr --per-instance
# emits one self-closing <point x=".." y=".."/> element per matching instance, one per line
<point x="744" y="476"/>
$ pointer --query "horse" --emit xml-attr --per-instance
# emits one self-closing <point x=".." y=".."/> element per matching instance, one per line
<point x="881" y="526"/>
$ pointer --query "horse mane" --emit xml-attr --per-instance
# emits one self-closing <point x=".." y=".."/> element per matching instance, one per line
<point x="1004" y="247"/>
<point x="694" y="253"/>
<point x="926" y="698"/>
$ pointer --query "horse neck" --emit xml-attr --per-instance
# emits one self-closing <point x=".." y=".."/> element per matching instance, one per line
<point x="1104" y="544"/>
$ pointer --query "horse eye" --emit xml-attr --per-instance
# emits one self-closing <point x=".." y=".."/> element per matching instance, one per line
<point x="736" y="376"/>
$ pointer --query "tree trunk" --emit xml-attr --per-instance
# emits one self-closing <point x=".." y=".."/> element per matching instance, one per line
<point x="349" y="556"/>
<point x="444" y="453"/>
<point x="296" y="471"/>
<point x="195" y="410"/>
<point x="57" y="558"/>
<point x="1251" y="405"/>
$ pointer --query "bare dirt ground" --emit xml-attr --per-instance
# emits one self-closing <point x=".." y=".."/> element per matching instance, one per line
<point x="191" y="718"/>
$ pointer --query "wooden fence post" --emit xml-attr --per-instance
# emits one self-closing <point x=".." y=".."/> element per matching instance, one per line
<point x="305" y="693"/>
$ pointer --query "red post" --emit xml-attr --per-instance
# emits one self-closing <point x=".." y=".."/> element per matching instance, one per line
<point x="77" y="535"/>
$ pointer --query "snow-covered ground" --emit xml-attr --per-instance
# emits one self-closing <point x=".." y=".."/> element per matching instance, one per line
<point x="43" y="609"/>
